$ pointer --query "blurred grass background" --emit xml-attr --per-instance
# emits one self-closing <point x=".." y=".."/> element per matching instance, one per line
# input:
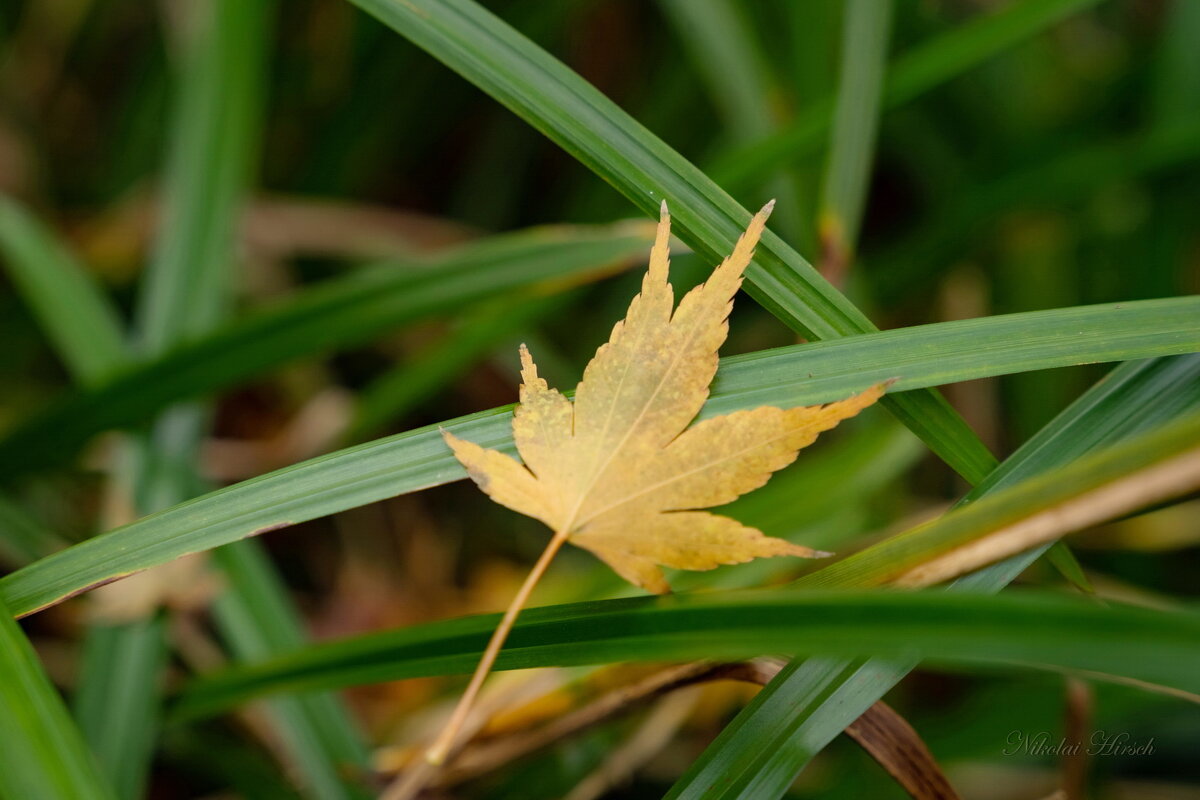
<point x="1059" y="170"/>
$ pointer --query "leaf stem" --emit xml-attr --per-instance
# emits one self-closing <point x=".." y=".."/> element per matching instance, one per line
<point x="437" y="752"/>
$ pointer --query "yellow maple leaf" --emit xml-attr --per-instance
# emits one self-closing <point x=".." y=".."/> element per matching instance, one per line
<point x="619" y="472"/>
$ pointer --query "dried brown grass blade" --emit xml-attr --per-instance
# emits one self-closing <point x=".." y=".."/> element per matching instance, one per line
<point x="891" y="741"/>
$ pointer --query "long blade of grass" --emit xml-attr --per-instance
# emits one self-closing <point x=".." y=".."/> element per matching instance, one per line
<point x="852" y="138"/>
<point x="924" y="68"/>
<point x="760" y="753"/>
<point x="965" y="628"/>
<point x="721" y="47"/>
<point x="259" y="622"/>
<point x="589" y="126"/>
<point x="214" y="127"/>
<point x="86" y="332"/>
<point x="44" y="755"/>
<point x="213" y="147"/>
<point x="799" y="375"/>
<point x="185" y="295"/>
<point x="338" y="313"/>
<point x="117" y="703"/>
<point x="1084" y="481"/>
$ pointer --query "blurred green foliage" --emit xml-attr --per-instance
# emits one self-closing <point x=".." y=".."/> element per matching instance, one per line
<point x="1026" y="155"/>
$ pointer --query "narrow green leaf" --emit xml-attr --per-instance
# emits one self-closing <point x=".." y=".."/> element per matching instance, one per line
<point x="790" y="376"/>
<point x="44" y="755"/>
<point x="78" y="319"/>
<point x="254" y="615"/>
<point x="213" y="147"/>
<point x="186" y="293"/>
<point x="117" y="704"/>
<point x="117" y="700"/>
<point x="855" y="121"/>
<point x="1029" y="629"/>
<point x="218" y="95"/>
<point x="720" y="45"/>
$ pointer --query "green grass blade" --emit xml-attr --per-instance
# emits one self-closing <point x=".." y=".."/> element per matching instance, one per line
<point x="339" y="313"/>
<point x="220" y="67"/>
<point x="804" y="374"/>
<point x="44" y="755"/>
<point x="911" y="75"/>
<point x="963" y="628"/>
<point x="185" y="295"/>
<point x="213" y="144"/>
<point x="257" y="620"/>
<point x="760" y="753"/>
<point x="118" y="702"/>
<point x="855" y="121"/>
<point x="579" y="118"/>
<point x="79" y="320"/>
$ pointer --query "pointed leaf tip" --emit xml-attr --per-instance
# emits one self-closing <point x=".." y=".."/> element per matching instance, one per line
<point x="662" y="209"/>
<point x="529" y="371"/>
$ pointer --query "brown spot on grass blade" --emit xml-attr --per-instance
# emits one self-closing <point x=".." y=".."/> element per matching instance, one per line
<point x="274" y="526"/>
<point x="75" y="593"/>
